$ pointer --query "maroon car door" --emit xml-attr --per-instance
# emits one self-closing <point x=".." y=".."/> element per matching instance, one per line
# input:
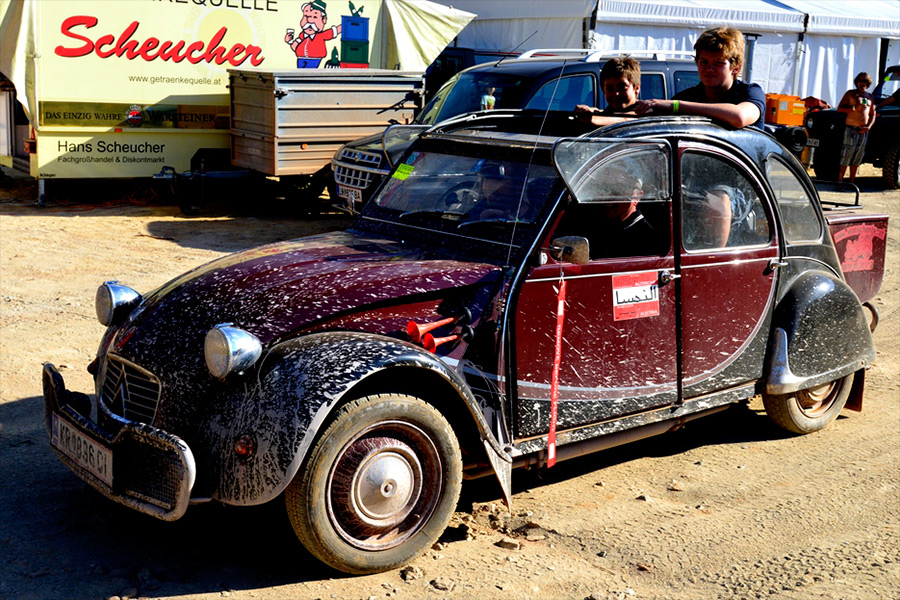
<point x="727" y="285"/>
<point x="618" y="337"/>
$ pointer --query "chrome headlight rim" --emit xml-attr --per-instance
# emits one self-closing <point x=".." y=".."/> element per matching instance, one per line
<point x="229" y="349"/>
<point x="113" y="302"/>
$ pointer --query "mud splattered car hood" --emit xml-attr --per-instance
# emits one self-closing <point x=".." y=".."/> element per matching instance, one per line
<point x="281" y="288"/>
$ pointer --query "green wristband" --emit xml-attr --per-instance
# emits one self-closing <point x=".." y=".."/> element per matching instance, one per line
<point x="674" y="107"/>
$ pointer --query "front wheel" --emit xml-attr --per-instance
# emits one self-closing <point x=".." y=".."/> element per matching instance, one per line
<point x="809" y="410"/>
<point x="380" y="485"/>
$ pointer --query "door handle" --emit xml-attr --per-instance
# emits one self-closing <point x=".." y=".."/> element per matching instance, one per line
<point x="666" y="276"/>
<point x="776" y="263"/>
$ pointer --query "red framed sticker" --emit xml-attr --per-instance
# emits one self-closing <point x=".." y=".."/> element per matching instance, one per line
<point x="635" y="296"/>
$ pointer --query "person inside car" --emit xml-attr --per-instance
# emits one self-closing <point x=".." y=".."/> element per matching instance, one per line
<point x="613" y="224"/>
<point x="620" y="80"/>
<point x="720" y="95"/>
<point x="502" y="196"/>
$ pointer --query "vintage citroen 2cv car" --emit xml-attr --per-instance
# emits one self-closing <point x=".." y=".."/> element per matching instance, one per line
<point x="520" y="291"/>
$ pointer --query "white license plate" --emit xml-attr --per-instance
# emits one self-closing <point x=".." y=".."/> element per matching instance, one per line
<point x="84" y="451"/>
<point x="813" y="142"/>
<point x="352" y="194"/>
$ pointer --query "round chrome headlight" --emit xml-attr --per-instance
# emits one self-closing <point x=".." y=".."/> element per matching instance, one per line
<point x="114" y="302"/>
<point x="229" y="349"/>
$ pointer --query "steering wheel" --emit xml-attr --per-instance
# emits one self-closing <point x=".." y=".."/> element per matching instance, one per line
<point x="461" y="198"/>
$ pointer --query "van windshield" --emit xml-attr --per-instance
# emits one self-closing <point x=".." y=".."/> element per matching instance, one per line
<point x="474" y="91"/>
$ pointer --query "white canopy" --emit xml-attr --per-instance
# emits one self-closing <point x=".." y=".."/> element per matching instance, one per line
<point x="506" y="25"/>
<point x="862" y="18"/>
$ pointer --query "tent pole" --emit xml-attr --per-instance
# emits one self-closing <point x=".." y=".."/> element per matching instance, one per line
<point x="751" y="49"/>
<point x="795" y="90"/>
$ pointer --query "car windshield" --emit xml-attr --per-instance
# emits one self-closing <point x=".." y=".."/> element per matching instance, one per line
<point x="474" y="91"/>
<point x="464" y="202"/>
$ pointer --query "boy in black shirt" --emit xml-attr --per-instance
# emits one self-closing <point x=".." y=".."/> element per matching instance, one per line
<point x="620" y="80"/>
<point x="720" y="94"/>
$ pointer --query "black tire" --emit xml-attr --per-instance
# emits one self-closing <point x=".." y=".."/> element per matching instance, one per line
<point x="809" y="410"/>
<point x="890" y="168"/>
<point x="379" y="486"/>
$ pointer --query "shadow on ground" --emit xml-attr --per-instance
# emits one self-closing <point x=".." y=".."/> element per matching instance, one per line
<point x="56" y="528"/>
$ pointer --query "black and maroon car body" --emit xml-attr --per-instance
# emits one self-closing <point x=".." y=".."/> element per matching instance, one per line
<point x="491" y="308"/>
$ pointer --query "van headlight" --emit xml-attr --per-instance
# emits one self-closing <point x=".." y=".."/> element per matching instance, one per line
<point x="114" y="302"/>
<point x="230" y="349"/>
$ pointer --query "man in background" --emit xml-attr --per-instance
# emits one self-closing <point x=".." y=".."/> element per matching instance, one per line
<point x="859" y="107"/>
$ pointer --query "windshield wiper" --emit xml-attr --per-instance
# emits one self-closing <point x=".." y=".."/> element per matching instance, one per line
<point x="444" y="214"/>
<point x="493" y="221"/>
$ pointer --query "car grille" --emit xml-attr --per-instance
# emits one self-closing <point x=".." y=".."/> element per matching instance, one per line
<point x="129" y="391"/>
<point x="347" y="175"/>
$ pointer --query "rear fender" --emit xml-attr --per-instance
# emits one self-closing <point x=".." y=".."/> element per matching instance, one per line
<point x="819" y="333"/>
<point x="299" y="384"/>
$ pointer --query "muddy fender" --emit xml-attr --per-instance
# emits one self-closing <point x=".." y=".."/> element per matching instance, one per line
<point x="298" y="384"/>
<point x="819" y="333"/>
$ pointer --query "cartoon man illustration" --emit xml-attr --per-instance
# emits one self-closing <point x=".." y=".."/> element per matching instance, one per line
<point x="309" y="45"/>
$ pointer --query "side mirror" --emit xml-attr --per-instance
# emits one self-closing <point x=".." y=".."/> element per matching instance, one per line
<point x="570" y="248"/>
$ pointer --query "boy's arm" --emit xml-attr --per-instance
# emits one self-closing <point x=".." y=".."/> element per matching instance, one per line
<point x="736" y="115"/>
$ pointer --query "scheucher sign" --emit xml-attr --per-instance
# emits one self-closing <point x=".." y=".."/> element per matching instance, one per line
<point x="152" y="48"/>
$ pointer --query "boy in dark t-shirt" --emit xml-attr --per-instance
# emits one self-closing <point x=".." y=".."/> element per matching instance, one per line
<point x="620" y="81"/>
<point x="720" y="94"/>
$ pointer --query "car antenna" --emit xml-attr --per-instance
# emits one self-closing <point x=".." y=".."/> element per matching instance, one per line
<point x="531" y="158"/>
<point x="497" y="64"/>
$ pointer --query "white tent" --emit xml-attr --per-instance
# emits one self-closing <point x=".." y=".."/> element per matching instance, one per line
<point x="506" y="25"/>
<point x="842" y="39"/>
<point x="800" y="47"/>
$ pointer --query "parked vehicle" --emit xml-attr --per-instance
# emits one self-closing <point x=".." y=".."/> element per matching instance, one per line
<point x="537" y="80"/>
<point x="286" y="126"/>
<point x="826" y="130"/>
<point x="486" y="311"/>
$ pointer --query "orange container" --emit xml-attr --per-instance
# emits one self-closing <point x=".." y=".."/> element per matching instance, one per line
<point x="782" y="109"/>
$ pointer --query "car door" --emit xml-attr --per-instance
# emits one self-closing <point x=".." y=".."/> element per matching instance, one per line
<point x="728" y="243"/>
<point x="618" y="342"/>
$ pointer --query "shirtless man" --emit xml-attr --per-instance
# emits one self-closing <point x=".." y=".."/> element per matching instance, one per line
<point x="859" y="106"/>
<point x="620" y="80"/>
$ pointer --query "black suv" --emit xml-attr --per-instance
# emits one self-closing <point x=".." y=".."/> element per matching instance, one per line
<point x="557" y="80"/>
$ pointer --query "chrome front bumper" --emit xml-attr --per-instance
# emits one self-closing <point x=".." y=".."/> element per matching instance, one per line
<point x="139" y="466"/>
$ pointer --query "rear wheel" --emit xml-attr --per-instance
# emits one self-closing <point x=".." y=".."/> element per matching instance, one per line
<point x="380" y="485"/>
<point x="809" y="410"/>
<point x="890" y="169"/>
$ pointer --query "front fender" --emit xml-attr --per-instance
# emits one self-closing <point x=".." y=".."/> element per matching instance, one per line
<point x="299" y="383"/>
<point x="819" y="333"/>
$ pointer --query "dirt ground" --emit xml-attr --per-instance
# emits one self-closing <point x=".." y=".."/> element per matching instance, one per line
<point x="727" y="508"/>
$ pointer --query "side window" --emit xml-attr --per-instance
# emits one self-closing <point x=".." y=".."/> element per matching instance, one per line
<point x="653" y="85"/>
<point x="720" y="207"/>
<point x="801" y="223"/>
<point x="622" y="206"/>
<point x="564" y="93"/>
<point x="685" y="79"/>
